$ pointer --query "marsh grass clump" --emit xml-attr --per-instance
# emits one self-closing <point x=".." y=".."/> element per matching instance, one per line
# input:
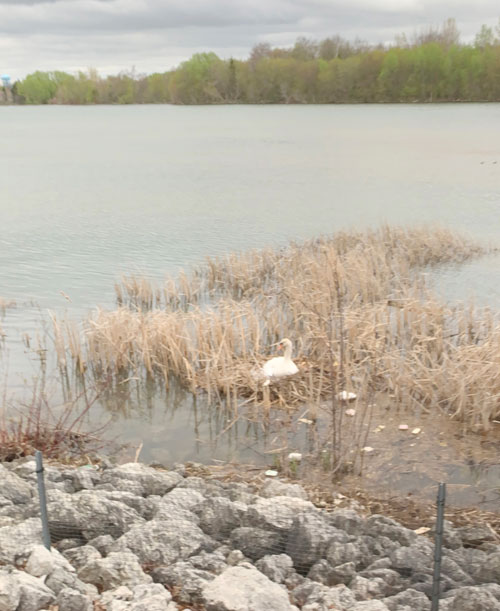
<point x="356" y="306"/>
<point x="57" y="428"/>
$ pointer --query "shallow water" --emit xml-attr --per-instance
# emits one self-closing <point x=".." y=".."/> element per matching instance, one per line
<point x="89" y="193"/>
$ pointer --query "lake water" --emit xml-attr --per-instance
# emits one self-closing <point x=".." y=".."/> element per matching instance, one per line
<point x="89" y="193"/>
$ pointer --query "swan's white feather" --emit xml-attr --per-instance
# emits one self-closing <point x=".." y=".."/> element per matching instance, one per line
<point x="280" y="366"/>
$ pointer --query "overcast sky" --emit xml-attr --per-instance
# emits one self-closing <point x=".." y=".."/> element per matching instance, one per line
<point x="155" y="35"/>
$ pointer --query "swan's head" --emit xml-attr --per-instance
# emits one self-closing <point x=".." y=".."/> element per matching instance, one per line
<point x="284" y="344"/>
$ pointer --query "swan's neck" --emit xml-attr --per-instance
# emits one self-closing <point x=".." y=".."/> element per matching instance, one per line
<point x="287" y="353"/>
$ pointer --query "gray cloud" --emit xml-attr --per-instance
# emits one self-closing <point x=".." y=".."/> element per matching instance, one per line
<point x="157" y="34"/>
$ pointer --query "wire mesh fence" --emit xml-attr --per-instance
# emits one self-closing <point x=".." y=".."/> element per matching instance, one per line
<point x="164" y="520"/>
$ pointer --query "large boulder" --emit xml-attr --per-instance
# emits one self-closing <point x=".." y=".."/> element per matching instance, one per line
<point x="257" y="542"/>
<point x="188" y="582"/>
<point x="219" y="516"/>
<point x="309" y="538"/>
<point x="115" y="570"/>
<point x="146" y="480"/>
<point x="164" y="542"/>
<point x="27" y="592"/>
<point x="244" y="588"/>
<point x="274" y="487"/>
<point x="19" y="539"/>
<point x="14" y="489"/>
<point x="277" y="513"/>
<point x="471" y="598"/>
<point x="89" y="513"/>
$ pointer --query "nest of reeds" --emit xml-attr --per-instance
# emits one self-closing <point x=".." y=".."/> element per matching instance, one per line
<point x="356" y="298"/>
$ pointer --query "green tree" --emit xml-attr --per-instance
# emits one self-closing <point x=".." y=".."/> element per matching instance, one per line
<point x="38" y="88"/>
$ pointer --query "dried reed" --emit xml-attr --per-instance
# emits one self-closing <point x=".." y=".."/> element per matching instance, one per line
<point x="360" y="295"/>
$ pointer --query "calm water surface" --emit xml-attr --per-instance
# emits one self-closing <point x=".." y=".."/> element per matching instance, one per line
<point x="89" y="193"/>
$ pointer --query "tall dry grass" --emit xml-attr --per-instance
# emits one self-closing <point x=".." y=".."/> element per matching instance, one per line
<point x="357" y="299"/>
<point x="58" y="429"/>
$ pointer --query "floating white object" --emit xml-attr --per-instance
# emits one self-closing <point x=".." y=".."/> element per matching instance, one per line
<point x="403" y="427"/>
<point x="416" y="431"/>
<point x="350" y="412"/>
<point x="367" y="449"/>
<point x="280" y="366"/>
<point x="346" y="396"/>
<point x="305" y="421"/>
<point x="271" y="473"/>
<point x="295" y="456"/>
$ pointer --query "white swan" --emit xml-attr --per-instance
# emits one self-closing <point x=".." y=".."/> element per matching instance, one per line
<point x="280" y="366"/>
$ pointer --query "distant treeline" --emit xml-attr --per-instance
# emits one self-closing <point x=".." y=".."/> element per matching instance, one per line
<point x="433" y="66"/>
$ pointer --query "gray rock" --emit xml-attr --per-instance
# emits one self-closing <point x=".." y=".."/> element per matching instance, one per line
<point x="309" y="538"/>
<point x="347" y="520"/>
<point x="14" y="489"/>
<point x="179" y="503"/>
<point x="63" y="544"/>
<point x="84" y="478"/>
<point x="72" y="600"/>
<point x="390" y="577"/>
<point x="323" y="572"/>
<point x="92" y="514"/>
<point x="473" y="536"/>
<point x="451" y="536"/>
<point x="187" y="581"/>
<point x="114" y="570"/>
<point x="145" y="507"/>
<point x="417" y="557"/>
<point x="60" y="579"/>
<point x="472" y="598"/>
<point x="41" y="561"/>
<point x="277" y="513"/>
<point x="236" y="557"/>
<point x="117" y="599"/>
<point x="152" y="597"/>
<point x="366" y="589"/>
<point x="242" y="493"/>
<point x="10" y="590"/>
<point x="256" y="543"/>
<point x="274" y="487"/>
<point x="244" y="589"/>
<point x="340" y="553"/>
<point x="490" y="569"/>
<point x="369" y="605"/>
<point x="19" y="539"/>
<point x="204" y="487"/>
<point x="213" y="562"/>
<point x="151" y="481"/>
<point x="219" y="516"/>
<point x="316" y="597"/>
<point x="380" y="563"/>
<point x="451" y="569"/>
<point x="103" y="544"/>
<point x="162" y="542"/>
<point x="492" y="588"/>
<point x="469" y="559"/>
<point x="80" y="556"/>
<point x="416" y="601"/>
<point x="378" y="526"/>
<point x="276" y="567"/>
<point x="35" y="595"/>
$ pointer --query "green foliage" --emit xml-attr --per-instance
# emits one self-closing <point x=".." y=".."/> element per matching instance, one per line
<point x="38" y="88"/>
<point x="433" y="66"/>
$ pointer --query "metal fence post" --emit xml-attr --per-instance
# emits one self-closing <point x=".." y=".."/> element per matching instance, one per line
<point x="43" y="499"/>
<point x="438" y="540"/>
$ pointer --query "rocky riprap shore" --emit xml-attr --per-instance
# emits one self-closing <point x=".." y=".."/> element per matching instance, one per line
<point x="138" y="538"/>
